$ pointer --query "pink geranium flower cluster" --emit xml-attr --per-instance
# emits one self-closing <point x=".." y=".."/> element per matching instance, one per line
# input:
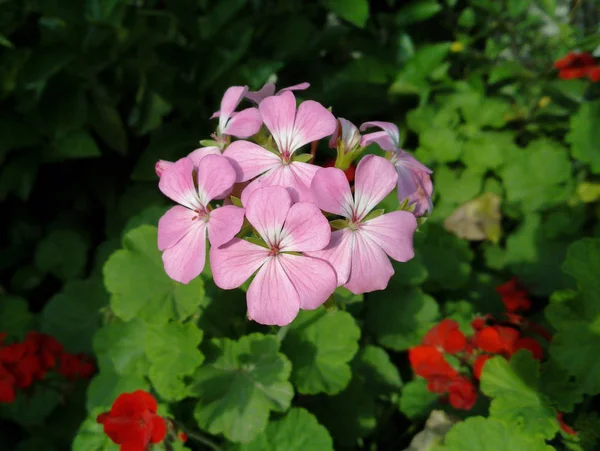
<point x="300" y="230"/>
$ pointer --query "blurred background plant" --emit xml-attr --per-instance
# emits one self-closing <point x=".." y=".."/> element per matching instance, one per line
<point x="94" y="92"/>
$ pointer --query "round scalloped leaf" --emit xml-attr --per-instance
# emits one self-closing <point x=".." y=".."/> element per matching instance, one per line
<point x="298" y="430"/>
<point x="139" y="286"/>
<point x="236" y="391"/>
<point x="490" y="434"/>
<point x="516" y="397"/>
<point x="320" y="343"/>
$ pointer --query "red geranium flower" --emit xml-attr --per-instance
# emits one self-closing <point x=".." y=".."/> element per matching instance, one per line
<point x="74" y="366"/>
<point x="578" y="65"/>
<point x="447" y="336"/>
<point x="513" y="297"/>
<point x="531" y="345"/>
<point x="7" y="385"/>
<point x="132" y="421"/>
<point x="429" y="362"/>
<point x="479" y="364"/>
<point x="462" y="394"/>
<point x="496" y="339"/>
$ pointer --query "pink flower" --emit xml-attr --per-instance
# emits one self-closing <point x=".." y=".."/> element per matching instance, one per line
<point x="242" y="124"/>
<point x="182" y="230"/>
<point x="414" y="179"/>
<point x="414" y="182"/>
<point x="269" y="89"/>
<point x="347" y="133"/>
<point x="388" y="139"/>
<point x="285" y="282"/>
<point x="195" y="156"/>
<point x="358" y="252"/>
<point x="291" y="129"/>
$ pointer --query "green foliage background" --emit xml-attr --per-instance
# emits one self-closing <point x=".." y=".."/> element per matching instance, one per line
<point x="94" y="92"/>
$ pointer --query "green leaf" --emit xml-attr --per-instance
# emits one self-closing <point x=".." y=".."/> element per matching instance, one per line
<point x="91" y="436"/>
<point x="412" y="79"/>
<point x="31" y="408"/>
<point x="539" y="177"/>
<point x="457" y="188"/>
<point x="399" y="319"/>
<point x="416" y="401"/>
<point x="486" y="150"/>
<point x="583" y="263"/>
<point x="468" y="19"/>
<point x="108" y="385"/>
<point x="417" y="11"/>
<point x="44" y="62"/>
<point x="354" y="11"/>
<point x="173" y="352"/>
<point x="122" y="344"/>
<point x="516" y="399"/>
<point x="556" y="384"/>
<point x="73" y="315"/>
<point x="139" y="286"/>
<point x="320" y="343"/>
<point x="15" y="318"/>
<point x="107" y="123"/>
<point x="4" y="42"/>
<point x="245" y="381"/>
<point x="303" y="158"/>
<point x="76" y="144"/>
<point x="377" y="372"/>
<point x="298" y="430"/>
<point x="490" y="434"/>
<point x="62" y="253"/>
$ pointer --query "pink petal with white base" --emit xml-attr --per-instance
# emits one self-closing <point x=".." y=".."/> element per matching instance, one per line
<point x="198" y="154"/>
<point x="305" y="229"/>
<point x="371" y="268"/>
<point x="314" y="279"/>
<point x="382" y="139"/>
<point x="278" y="113"/>
<point x="258" y="96"/>
<point x="174" y="225"/>
<point x="338" y="254"/>
<point x="331" y="192"/>
<point x="161" y="165"/>
<point x="266" y="210"/>
<point x="405" y="159"/>
<point x="250" y="160"/>
<point x="393" y="232"/>
<point x="216" y="177"/>
<point x="233" y="263"/>
<point x="390" y="129"/>
<point x="177" y="183"/>
<point x="348" y="133"/>
<point x="185" y="260"/>
<point x="224" y="223"/>
<point x="375" y="178"/>
<point x="231" y="99"/>
<point x="244" y="124"/>
<point x="292" y="177"/>
<point x="313" y="122"/>
<point x="272" y="298"/>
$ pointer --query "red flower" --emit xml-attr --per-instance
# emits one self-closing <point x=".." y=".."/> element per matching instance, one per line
<point x="447" y="336"/>
<point x="429" y="362"/>
<point x="566" y="428"/>
<point x="183" y="437"/>
<point x="479" y="323"/>
<point x="479" y="364"/>
<point x="578" y="65"/>
<point x="513" y="297"/>
<point x="462" y="394"/>
<point x="132" y="421"/>
<point x="74" y="366"/>
<point x="7" y="385"/>
<point x="531" y="345"/>
<point x="496" y="339"/>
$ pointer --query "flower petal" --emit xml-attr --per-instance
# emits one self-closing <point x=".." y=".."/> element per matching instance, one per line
<point x="393" y="232"/>
<point x="231" y="99"/>
<point x="298" y="87"/>
<point x="234" y="262"/>
<point x="250" y="160"/>
<point x="291" y="177"/>
<point x="375" y="178"/>
<point x="198" y="154"/>
<point x="278" y="114"/>
<point x="389" y="128"/>
<point x="421" y="198"/>
<point x="244" y="124"/>
<point x="348" y="133"/>
<point x="174" y="225"/>
<point x="305" y="229"/>
<point x="216" y="177"/>
<point x="338" y="253"/>
<point x="331" y="192"/>
<point x="161" y="165"/>
<point x="303" y="175"/>
<point x="272" y="298"/>
<point x="314" y="279"/>
<point x="313" y="122"/>
<point x="224" y="223"/>
<point x="266" y="210"/>
<point x="177" y="183"/>
<point x="371" y="268"/>
<point x="185" y="260"/>
<point x="159" y="429"/>
<point x="257" y="96"/>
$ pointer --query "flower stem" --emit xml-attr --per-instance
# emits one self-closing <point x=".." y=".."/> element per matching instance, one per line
<point x="282" y="332"/>
<point x="204" y="440"/>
